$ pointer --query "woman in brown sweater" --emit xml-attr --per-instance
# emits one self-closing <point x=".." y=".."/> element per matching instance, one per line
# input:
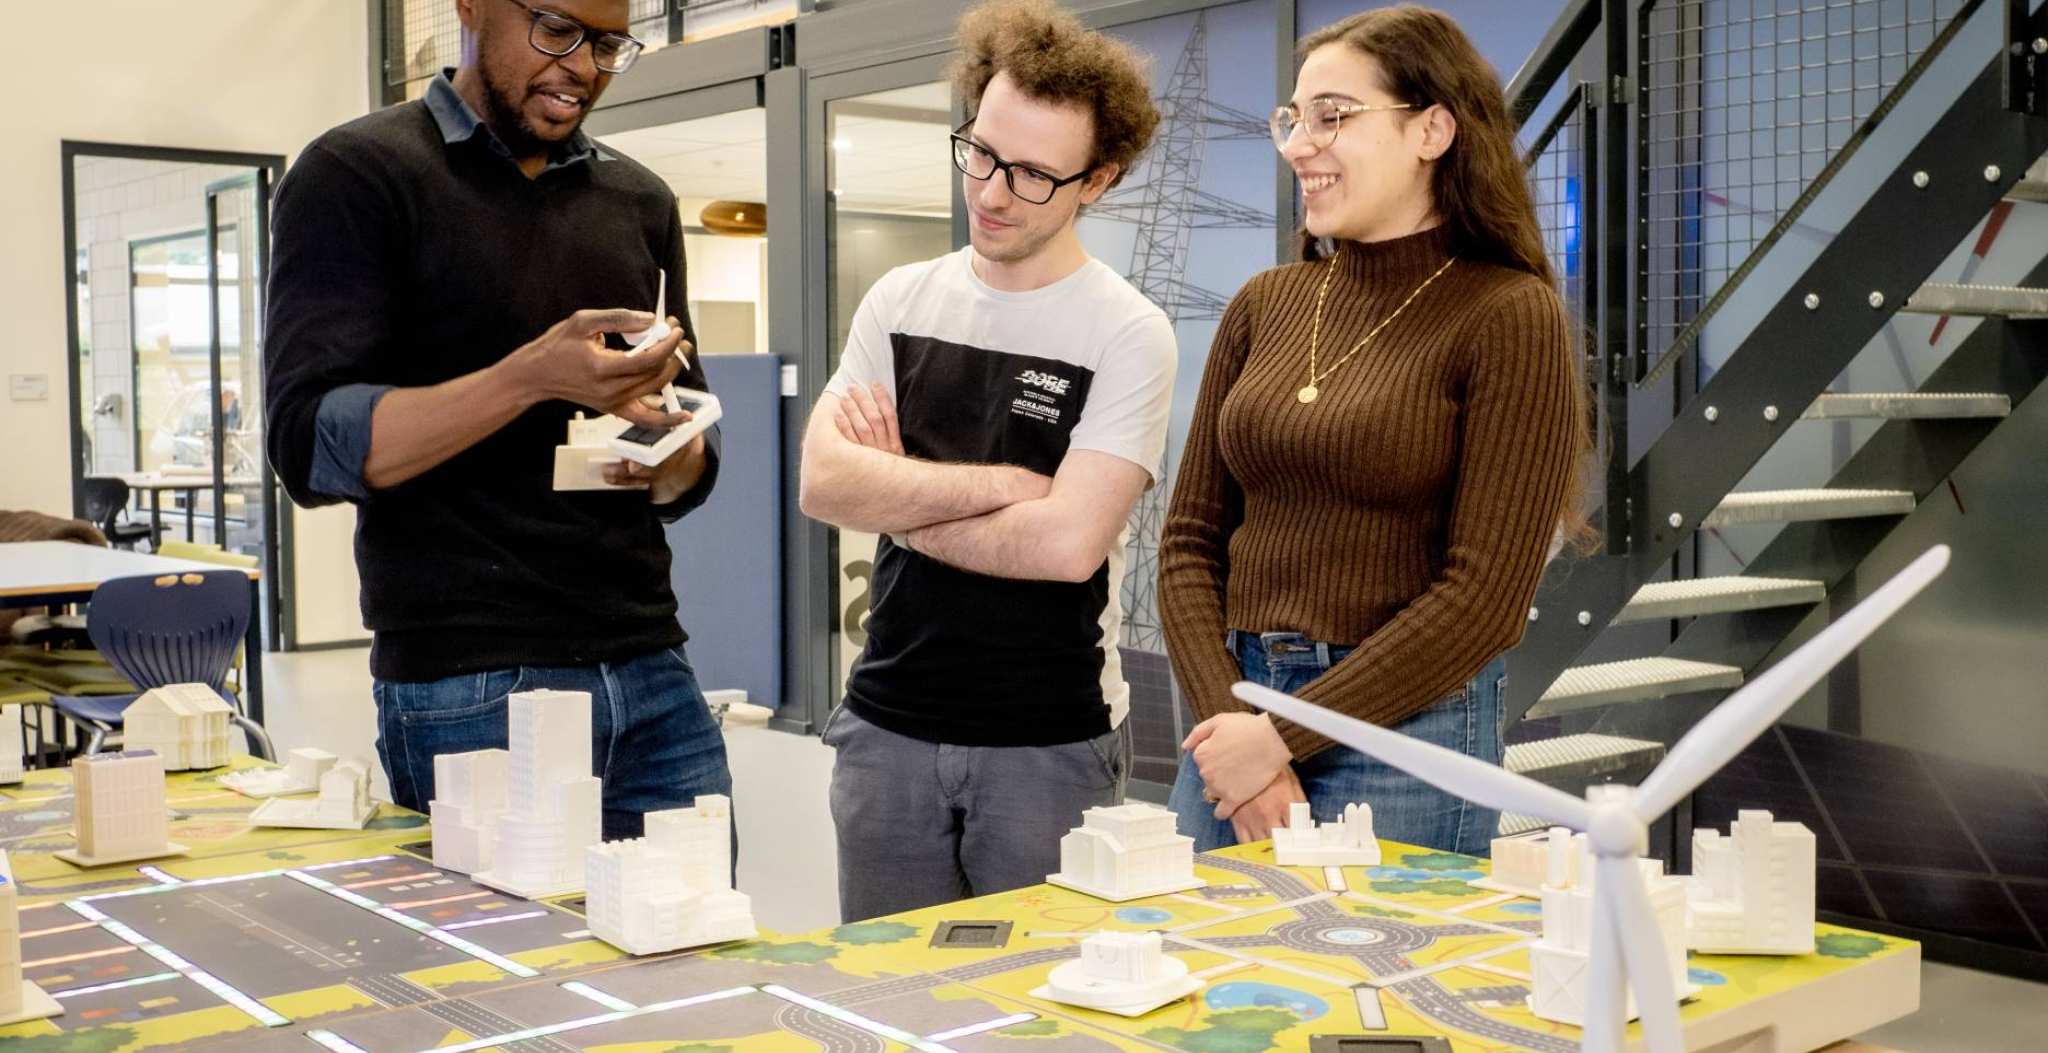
<point x="1385" y="444"/>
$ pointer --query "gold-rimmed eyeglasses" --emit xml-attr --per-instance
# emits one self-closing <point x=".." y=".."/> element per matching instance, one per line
<point x="1321" y="119"/>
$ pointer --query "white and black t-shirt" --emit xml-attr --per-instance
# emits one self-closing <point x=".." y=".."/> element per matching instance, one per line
<point x="991" y="377"/>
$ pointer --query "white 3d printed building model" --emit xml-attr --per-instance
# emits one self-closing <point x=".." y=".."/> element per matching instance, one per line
<point x="469" y="798"/>
<point x="553" y="805"/>
<point x="344" y="802"/>
<point x="118" y="809"/>
<point x="671" y="888"/>
<point x="1524" y="863"/>
<point x="1126" y="973"/>
<point x="1345" y="843"/>
<point x="10" y="745"/>
<point x="185" y="724"/>
<point x="1559" y="963"/>
<point x="1126" y="852"/>
<point x="1752" y="891"/>
<point x="19" y="999"/>
<point x="300" y="774"/>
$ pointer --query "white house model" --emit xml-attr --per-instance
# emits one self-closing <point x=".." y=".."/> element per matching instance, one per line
<point x="185" y="724"/>
<point x="1344" y="843"/>
<point x="1558" y="963"/>
<point x="300" y="774"/>
<point x="469" y="798"/>
<point x="344" y="802"/>
<point x="1127" y="973"/>
<point x="19" y="999"/>
<point x="671" y="888"/>
<point x="118" y="809"/>
<point x="1752" y="890"/>
<point x="1125" y="852"/>
<point x="10" y="745"/>
<point x="552" y="802"/>
<point x="1524" y="863"/>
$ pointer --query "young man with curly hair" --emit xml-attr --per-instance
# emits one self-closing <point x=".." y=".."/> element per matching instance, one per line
<point x="996" y="414"/>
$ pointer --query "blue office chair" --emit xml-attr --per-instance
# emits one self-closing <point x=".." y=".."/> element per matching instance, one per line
<point x="165" y="629"/>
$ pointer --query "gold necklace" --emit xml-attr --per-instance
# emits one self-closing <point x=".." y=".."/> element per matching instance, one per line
<point x="1308" y="394"/>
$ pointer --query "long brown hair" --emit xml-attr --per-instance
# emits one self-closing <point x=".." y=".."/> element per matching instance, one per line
<point x="1478" y="187"/>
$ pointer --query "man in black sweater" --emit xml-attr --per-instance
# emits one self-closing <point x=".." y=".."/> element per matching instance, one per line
<point x="445" y="273"/>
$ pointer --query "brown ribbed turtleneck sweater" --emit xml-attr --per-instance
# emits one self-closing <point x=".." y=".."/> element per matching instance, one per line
<point x="1409" y="508"/>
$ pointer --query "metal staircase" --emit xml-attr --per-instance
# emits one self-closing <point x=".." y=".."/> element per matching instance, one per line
<point x="1984" y="152"/>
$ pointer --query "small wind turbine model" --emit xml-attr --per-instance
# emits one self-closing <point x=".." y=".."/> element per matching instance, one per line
<point x="1616" y="818"/>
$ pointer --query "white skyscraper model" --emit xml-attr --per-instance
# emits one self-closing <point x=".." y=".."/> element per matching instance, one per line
<point x="553" y="805"/>
<point x="10" y="745"/>
<point x="1126" y="973"/>
<point x="1524" y="863"/>
<point x="1560" y="963"/>
<point x="300" y="774"/>
<point x="1126" y="852"/>
<point x="1752" y="891"/>
<point x="344" y="802"/>
<point x="185" y="724"/>
<point x="1345" y="843"/>
<point x="670" y="889"/>
<point x="19" y="999"/>
<point x="118" y="809"/>
<point x="469" y="799"/>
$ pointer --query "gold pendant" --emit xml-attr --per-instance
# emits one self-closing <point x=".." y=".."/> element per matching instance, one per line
<point x="1306" y="395"/>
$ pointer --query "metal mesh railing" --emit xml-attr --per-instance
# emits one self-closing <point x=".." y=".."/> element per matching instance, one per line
<point x="1744" y="103"/>
<point x="1556" y="164"/>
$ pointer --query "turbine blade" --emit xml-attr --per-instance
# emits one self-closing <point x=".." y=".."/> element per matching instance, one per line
<point x="1750" y="711"/>
<point x="1643" y="950"/>
<point x="1468" y="777"/>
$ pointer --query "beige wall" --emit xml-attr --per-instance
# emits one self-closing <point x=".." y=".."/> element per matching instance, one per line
<point x="260" y="76"/>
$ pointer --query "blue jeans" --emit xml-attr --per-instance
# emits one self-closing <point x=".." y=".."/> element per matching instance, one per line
<point x="1404" y="808"/>
<point x="652" y="738"/>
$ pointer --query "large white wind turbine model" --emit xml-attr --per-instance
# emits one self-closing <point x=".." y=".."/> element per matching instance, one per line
<point x="1616" y="818"/>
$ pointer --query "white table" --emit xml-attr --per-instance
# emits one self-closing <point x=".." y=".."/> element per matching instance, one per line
<point x="187" y="483"/>
<point x="49" y="573"/>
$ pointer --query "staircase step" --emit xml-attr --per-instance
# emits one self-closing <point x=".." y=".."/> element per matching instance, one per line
<point x="1693" y="597"/>
<point x="1991" y="301"/>
<point x="2033" y="186"/>
<point x="1573" y="762"/>
<point x="1909" y="404"/>
<point x="1788" y="506"/>
<point x="1631" y="680"/>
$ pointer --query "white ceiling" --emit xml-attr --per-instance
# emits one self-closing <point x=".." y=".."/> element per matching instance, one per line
<point x="877" y="163"/>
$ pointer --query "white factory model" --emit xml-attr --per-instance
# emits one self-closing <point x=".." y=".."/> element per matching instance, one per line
<point x="1752" y="891"/>
<point x="469" y="799"/>
<point x="553" y="805"/>
<point x="119" y="813"/>
<point x="344" y="802"/>
<point x="580" y="462"/>
<point x="185" y="724"/>
<point x="1126" y="973"/>
<point x="670" y="889"/>
<point x="1560" y="964"/>
<point x="1524" y="863"/>
<point x="1348" y="842"/>
<point x="10" y="745"/>
<point x="1126" y="852"/>
<point x="19" y="999"/>
<point x="300" y="774"/>
<point x="1626" y="945"/>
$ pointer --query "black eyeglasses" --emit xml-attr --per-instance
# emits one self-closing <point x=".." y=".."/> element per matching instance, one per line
<point x="1028" y="183"/>
<point x="559" y="35"/>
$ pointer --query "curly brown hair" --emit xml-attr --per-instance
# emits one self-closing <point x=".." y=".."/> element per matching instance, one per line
<point x="1053" y="58"/>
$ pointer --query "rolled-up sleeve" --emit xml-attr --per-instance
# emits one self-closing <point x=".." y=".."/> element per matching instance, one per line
<point x="341" y="440"/>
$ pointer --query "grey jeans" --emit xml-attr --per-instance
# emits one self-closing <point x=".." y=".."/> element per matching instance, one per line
<point x="922" y="823"/>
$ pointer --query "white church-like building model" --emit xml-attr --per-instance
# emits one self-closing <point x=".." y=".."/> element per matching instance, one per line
<point x="1127" y="973"/>
<point x="1344" y="843"/>
<point x="1126" y="852"/>
<point x="185" y="724"/>
<point x="1752" y="890"/>
<point x="469" y="799"/>
<point x="553" y="805"/>
<point x="344" y="802"/>
<point x="1559" y="963"/>
<point x="671" y="888"/>
<point x="119" y="812"/>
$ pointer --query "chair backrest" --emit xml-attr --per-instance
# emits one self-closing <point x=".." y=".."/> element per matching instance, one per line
<point x="104" y="497"/>
<point x="171" y="628"/>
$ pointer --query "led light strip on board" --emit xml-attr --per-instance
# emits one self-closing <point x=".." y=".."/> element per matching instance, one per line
<point x="153" y="978"/>
<point x="416" y="925"/>
<point x="847" y="1016"/>
<point x="262" y="1013"/>
<point x="986" y="1025"/>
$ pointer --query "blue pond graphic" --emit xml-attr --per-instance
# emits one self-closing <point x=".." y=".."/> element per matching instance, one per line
<point x="1705" y="977"/>
<point x="1248" y="995"/>
<point x="1143" y="915"/>
<point x="1385" y="873"/>
<point x="1522" y="907"/>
